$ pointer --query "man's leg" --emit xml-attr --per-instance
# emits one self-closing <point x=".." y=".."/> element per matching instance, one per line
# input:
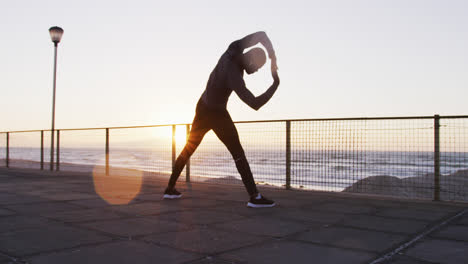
<point x="196" y="135"/>
<point x="227" y="133"/>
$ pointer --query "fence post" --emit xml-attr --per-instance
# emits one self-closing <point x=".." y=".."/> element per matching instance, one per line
<point x="436" y="158"/>
<point x="42" y="149"/>
<point x="8" y="149"/>
<point x="52" y="141"/>
<point x="173" y="145"/>
<point x="58" y="151"/>
<point x="107" y="151"/>
<point x="187" y="166"/>
<point x="288" y="155"/>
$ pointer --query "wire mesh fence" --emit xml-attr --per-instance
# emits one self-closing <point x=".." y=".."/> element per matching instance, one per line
<point x="413" y="157"/>
<point x="388" y="157"/>
<point x="80" y="150"/>
<point x="24" y="150"/>
<point x="453" y="159"/>
<point x="145" y="149"/>
<point x="263" y="145"/>
<point x="3" y="140"/>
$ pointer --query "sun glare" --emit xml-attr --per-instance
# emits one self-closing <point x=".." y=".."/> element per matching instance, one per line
<point x="121" y="187"/>
<point x="181" y="135"/>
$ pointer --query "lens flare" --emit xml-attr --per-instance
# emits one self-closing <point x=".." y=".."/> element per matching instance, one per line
<point x="121" y="186"/>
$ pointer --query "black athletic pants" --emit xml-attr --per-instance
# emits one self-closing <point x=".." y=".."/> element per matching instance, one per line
<point x="221" y="123"/>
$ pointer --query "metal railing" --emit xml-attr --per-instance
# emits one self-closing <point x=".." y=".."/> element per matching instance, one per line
<point x="416" y="157"/>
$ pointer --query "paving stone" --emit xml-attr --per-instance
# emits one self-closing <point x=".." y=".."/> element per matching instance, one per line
<point x="440" y="251"/>
<point x="6" y="212"/>
<point x="125" y="252"/>
<point x="455" y="232"/>
<point x="185" y="201"/>
<point x="200" y="217"/>
<point x="354" y="233"/>
<point x="17" y="222"/>
<point x="292" y="202"/>
<point x="237" y="208"/>
<point x="42" y="208"/>
<point x="67" y="196"/>
<point x="191" y="203"/>
<point x="241" y="197"/>
<point x="412" y="213"/>
<point x="264" y="226"/>
<point x="344" y="207"/>
<point x="434" y="206"/>
<point x="217" y="195"/>
<point x="91" y="203"/>
<point x="380" y="203"/>
<point x="216" y="260"/>
<point x="32" y="241"/>
<point x="404" y="226"/>
<point x="205" y="240"/>
<point x="399" y="259"/>
<point x="5" y="260"/>
<point x="311" y="216"/>
<point x="352" y="238"/>
<point x="463" y="220"/>
<point x="297" y="253"/>
<point x="147" y="208"/>
<point x="136" y="226"/>
<point x="7" y="199"/>
<point x="84" y="215"/>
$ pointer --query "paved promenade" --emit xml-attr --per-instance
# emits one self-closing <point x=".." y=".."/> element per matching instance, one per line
<point x="74" y="218"/>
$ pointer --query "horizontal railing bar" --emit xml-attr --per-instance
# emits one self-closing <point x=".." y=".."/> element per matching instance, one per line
<point x="258" y="121"/>
<point x="24" y="131"/>
<point x="337" y="119"/>
<point x="123" y="127"/>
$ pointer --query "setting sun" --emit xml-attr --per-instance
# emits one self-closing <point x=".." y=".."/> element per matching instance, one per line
<point x="181" y="135"/>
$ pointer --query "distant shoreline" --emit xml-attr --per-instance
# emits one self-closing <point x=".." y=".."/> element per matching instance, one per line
<point x="452" y="187"/>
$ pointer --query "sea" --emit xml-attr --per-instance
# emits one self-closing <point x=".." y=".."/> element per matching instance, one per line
<point x="316" y="169"/>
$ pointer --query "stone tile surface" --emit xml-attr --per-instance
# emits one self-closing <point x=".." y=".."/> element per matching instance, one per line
<point x="6" y="212"/>
<point x="18" y="222"/>
<point x="8" y="199"/>
<point x="136" y="226"/>
<point x="297" y="253"/>
<point x="57" y="217"/>
<point x="205" y="240"/>
<point x="352" y="238"/>
<point x="309" y="215"/>
<point x="440" y="251"/>
<point x="216" y="260"/>
<point x="264" y="226"/>
<point x="463" y="220"/>
<point x="404" y="226"/>
<point x="200" y="217"/>
<point x="117" y="252"/>
<point x="42" y="208"/>
<point x="412" y="213"/>
<point x="84" y="215"/>
<point x="344" y="207"/>
<point x="30" y="241"/>
<point x="454" y="232"/>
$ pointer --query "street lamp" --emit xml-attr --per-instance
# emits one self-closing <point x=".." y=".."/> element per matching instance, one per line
<point x="55" y="35"/>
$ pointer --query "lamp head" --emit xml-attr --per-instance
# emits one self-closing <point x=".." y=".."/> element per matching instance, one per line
<point x="56" y="34"/>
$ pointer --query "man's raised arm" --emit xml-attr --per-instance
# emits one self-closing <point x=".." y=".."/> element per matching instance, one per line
<point x="258" y="37"/>
<point x="256" y="102"/>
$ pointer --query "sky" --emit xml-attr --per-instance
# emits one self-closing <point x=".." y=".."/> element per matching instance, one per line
<point x="130" y="63"/>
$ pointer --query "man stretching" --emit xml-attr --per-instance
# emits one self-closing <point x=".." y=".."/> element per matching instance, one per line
<point x="211" y="112"/>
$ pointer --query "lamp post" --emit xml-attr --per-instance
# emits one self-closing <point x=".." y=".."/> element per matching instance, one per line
<point x="55" y="35"/>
